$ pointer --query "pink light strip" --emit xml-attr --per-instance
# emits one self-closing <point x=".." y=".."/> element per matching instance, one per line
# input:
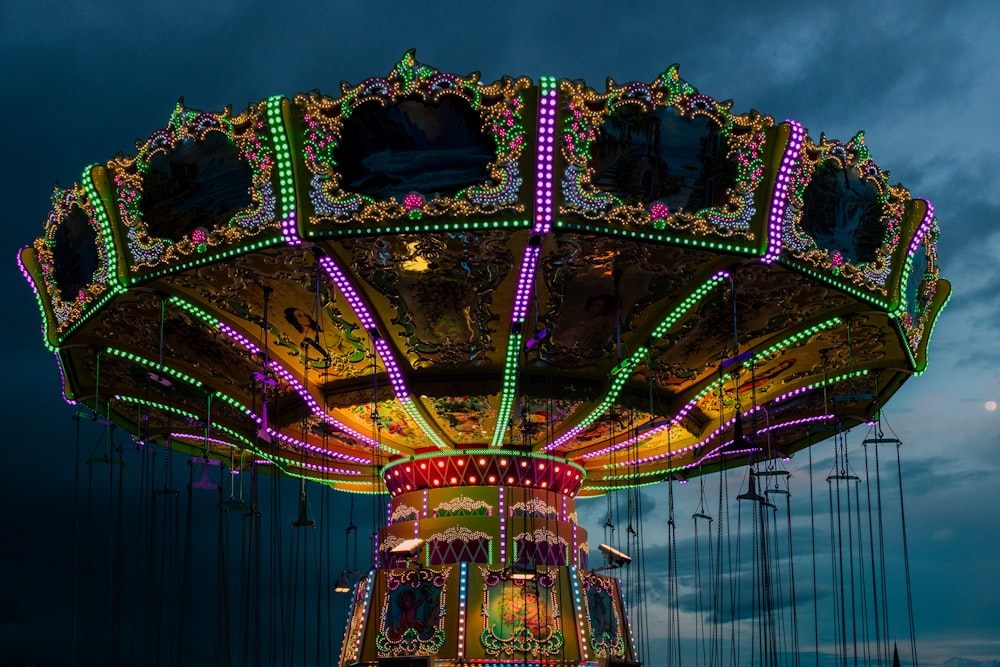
<point x="347" y="289"/>
<point x="925" y="225"/>
<point x="304" y="394"/>
<point x="544" y="156"/>
<point x="249" y="345"/>
<point x="289" y="231"/>
<point x="318" y="410"/>
<point x="779" y="200"/>
<point x="396" y="379"/>
<point x="525" y="283"/>
<point x="392" y="368"/>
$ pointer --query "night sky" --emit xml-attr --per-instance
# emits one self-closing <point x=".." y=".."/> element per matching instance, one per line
<point x="82" y="81"/>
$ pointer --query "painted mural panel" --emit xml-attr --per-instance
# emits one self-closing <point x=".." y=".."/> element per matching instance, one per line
<point x="607" y="636"/>
<point x="413" y="613"/>
<point x="520" y="616"/>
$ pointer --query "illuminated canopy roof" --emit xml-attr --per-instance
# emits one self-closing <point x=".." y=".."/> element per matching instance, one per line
<point x="607" y="277"/>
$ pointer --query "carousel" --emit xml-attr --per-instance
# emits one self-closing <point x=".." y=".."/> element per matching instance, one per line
<point x="476" y="302"/>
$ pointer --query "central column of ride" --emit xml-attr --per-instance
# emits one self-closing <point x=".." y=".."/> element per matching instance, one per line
<point x="482" y="561"/>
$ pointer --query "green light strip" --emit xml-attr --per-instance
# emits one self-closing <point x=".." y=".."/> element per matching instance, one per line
<point x="148" y="363"/>
<point x="770" y="350"/>
<point x="159" y="406"/>
<point x="425" y="227"/>
<point x="509" y="388"/>
<point x="927" y="335"/>
<point x="93" y="308"/>
<point x="623" y="371"/>
<point x="114" y="281"/>
<point x="283" y="154"/>
<point x="232" y="402"/>
<point x="854" y="291"/>
<point x="207" y="259"/>
<point x="415" y="414"/>
<point x="659" y="238"/>
<point x="622" y="376"/>
<point x="620" y="487"/>
<point x="202" y="315"/>
<point x="795" y="338"/>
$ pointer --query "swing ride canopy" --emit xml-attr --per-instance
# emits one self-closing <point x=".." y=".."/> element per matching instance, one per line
<point x="426" y="267"/>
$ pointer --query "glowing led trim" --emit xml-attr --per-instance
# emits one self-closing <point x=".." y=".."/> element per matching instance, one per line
<point x="548" y="96"/>
<point x="206" y="259"/>
<point x="722" y="427"/>
<point x="576" y="548"/>
<point x="235" y="335"/>
<point x="159" y="406"/>
<point x="912" y="332"/>
<point x="420" y="228"/>
<point x="38" y="300"/>
<point x="920" y="369"/>
<point x="628" y="619"/>
<point x="925" y="225"/>
<point x="149" y="363"/>
<point x="509" y="392"/>
<point x="411" y="409"/>
<point x="463" y="585"/>
<point x="652" y="236"/>
<point x="69" y="314"/>
<point x="317" y="409"/>
<point x="545" y="152"/>
<point x="102" y="218"/>
<point x="779" y="200"/>
<point x="525" y="282"/>
<point x="287" y="376"/>
<point x="177" y="435"/>
<point x="62" y="376"/>
<point x="399" y="388"/>
<point x="623" y="371"/>
<point x="285" y="168"/>
<point x="503" y="523"/>
<point x="833" y="280"/>
<point x="682" y="413"/>
<point x="578" y="606"/>
<point x="225" y="429"/>
<point x="492" y="453"/>
<point x="715" y="452"/>
<point x="96" y="306"/>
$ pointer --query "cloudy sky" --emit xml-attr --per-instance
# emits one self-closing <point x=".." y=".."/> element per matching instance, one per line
<point x="83" y="80"/>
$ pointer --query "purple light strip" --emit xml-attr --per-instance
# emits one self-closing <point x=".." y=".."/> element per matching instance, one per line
<point x="24" y="271"/>
<point x="295" y="442"/>
<point x="779" y="200"/>
<point x="382" y="348"/>
<point x="289" y="231"/>
<point x="347" y="289"/>
<point x="544" y="156"/>
<point x="525" y="283"/>
<point x="304" y="394"/>
<point x="925" y="225"/>
<point x="249" y="345"/>
<point x="177" y="435"/>
<point x="318" y="410"/>
<point x="392" y="368"/>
